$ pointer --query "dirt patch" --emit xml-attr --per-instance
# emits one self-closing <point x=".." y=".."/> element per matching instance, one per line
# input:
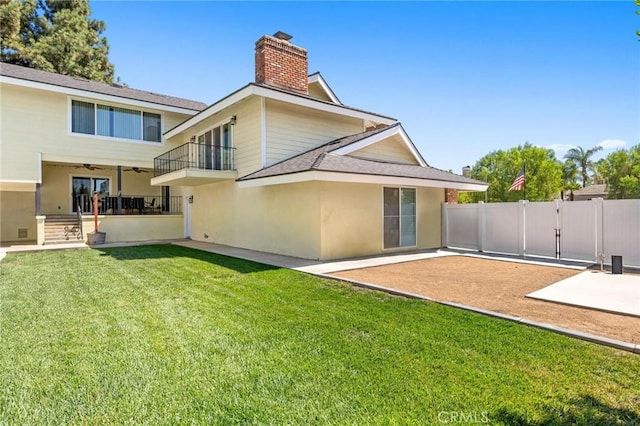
<point x="498" y="286"/>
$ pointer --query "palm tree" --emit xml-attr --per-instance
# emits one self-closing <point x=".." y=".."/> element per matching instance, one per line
<point x="569" y="178"/>
<point x="597" y="172"/>
<point x="582" y="160"/>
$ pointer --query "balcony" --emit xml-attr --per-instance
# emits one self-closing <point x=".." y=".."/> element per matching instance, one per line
<point x="194" y="164"/>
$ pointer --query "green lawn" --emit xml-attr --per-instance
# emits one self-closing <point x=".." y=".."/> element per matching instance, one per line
<point x="169" y="335"/>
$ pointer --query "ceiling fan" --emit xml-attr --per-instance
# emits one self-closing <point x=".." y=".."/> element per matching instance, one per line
<point x="89" y="167"/>
<point x="136" y="169"/>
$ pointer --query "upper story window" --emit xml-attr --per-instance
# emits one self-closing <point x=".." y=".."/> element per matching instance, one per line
<point x="106" y="120"/>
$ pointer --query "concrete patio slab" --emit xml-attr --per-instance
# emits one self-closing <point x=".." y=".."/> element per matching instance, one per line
<point x="366" y="262"/>
<point x="311" y="266"/>
<point x="597" y="290"/>
<point x="253" y="255"/>
<point x="34" y="247"/>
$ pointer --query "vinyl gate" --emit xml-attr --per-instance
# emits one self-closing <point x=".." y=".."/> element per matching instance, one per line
<point x="541" y="228"/>
<point x="576" y="230"/>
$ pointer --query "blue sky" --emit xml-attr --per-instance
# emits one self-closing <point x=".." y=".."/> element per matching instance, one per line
<point x="464" y="78"/>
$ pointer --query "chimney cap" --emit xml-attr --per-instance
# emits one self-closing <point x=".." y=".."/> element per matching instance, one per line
<point x="283" y="36"/>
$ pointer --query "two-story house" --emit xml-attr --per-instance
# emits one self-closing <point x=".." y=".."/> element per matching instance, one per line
<point x="279" y="165"/>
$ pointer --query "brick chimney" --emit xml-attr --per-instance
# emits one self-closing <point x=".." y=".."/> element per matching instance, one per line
<point x="451" y="196"/>
<point x="281" y="64"/>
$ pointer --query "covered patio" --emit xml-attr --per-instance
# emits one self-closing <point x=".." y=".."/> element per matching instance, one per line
<point x="68" y="188"/>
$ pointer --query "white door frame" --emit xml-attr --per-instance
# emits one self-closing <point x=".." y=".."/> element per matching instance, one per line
<point x="187" y="215"/>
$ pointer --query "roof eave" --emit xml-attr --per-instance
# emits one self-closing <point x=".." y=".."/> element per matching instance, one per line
<point x="93" y="94"/>
<point x="351" y="177"/>
<point x="253" y="89"/>
<point x="396" y="129"/>
<point x="230" y="99"/>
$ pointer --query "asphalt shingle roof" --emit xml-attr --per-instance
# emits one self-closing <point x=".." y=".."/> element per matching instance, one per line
<point x="30" y="74"/>
<point x="599" y="189"/>
<point x="322" y="159"/>
<point x="300" y="95"/>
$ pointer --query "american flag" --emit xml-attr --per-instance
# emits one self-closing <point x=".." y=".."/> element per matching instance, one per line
<point x="518" y="183"/>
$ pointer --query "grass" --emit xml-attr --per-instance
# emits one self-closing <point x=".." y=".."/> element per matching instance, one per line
<point x="169" y="335"/>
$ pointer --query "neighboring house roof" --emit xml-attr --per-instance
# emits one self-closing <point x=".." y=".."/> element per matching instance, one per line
<point x="281" y="95"/>
<point x="325" y="159"/>
<point x="53" y="79"/>
<point x="592" y="191"/>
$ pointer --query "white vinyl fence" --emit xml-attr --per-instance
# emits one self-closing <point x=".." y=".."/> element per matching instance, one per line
<point x="576" y="230"/>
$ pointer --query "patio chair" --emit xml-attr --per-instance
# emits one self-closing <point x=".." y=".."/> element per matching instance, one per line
<point x="150" y="207"/>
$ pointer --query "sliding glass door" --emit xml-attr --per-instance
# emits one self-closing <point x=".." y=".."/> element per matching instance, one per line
<point x="214" y="148"/>
<point x="82" y="189"/>
<point x="399" y="217"/>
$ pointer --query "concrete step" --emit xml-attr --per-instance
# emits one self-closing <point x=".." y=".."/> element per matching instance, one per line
<point x="61" y="229"/>
<point x="63" y="218"/>
<point x="61" y="237"/>
<point x="69" y="241"/>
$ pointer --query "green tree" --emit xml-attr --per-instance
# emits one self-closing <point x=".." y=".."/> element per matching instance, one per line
<point x="500" y="168"/>
<point x="621" y="170"/>
<point x="582" y="160"/>
<point x="597" y="174"/>
<point x="637" y="13"/>
<point x="55" y="35"/>
<point x="569" y="177"/>
<point x="20" y="25"/>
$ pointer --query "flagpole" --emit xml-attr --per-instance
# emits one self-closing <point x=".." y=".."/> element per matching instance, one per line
<point x="524" y="173"/>
<point x="524" y="186"/>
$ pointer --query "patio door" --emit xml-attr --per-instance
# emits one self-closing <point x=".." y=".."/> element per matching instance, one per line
<point x="225" y="149"/>
<point x="399" y="221"/>
<point x="205" y="150"/>
<point x="82" y="189"/>
<point x="214" y="148"/>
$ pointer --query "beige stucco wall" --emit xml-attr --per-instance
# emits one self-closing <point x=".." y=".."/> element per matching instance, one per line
<point x="56" y="184"/>
<point x="314" y="220"/>
<point x="352" y="222"/>
<point x="136" y="228"/>
<point x="351" y="218"/>
<point x="17" y="210"/>
<point x="37" y="121"/>
<point x="281" y="219"/>
<point x="430" y="217"/>
<point x="293" y="129"/>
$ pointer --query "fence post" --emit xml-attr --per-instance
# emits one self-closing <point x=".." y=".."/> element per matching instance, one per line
<point x="481" y="226"/>
<point x="444" y="233"/>
<point x="558" y="230"/>
<point x="599" y="226"/>
<point x="522" y="226"/>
